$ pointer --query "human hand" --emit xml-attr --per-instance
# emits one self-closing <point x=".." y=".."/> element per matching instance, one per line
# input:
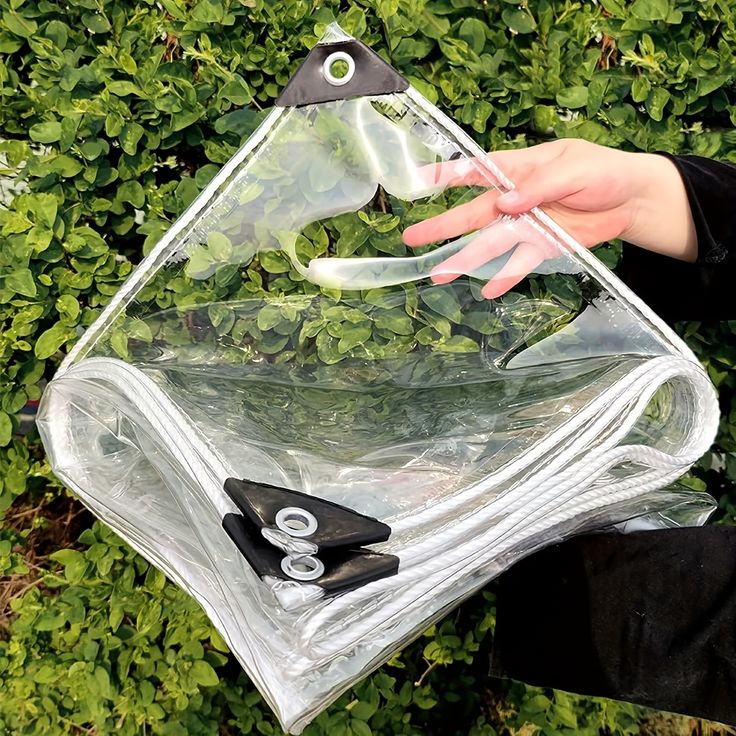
<point x="593" y="192"/>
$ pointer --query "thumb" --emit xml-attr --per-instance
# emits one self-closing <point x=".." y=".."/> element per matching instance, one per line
<point x="545" y="184"/>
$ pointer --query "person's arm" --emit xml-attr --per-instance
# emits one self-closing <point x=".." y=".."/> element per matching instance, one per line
<point x="647" y="617"/>
<point x="676" y="210"/>
<point x="711" y="192"/>
<point x="680" y="291"/>
<point x="595" y="193"/>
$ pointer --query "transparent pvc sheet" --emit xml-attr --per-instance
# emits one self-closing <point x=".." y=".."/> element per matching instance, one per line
<point x="282" y="333"/>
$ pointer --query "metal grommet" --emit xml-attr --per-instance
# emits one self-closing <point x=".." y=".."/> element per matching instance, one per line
<point x="296" y="522"/>
<point x="327" y="68"/>
<point x="303" y="568"/>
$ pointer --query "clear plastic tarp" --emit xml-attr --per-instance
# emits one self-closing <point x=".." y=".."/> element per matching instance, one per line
<point x="480" y="397"/>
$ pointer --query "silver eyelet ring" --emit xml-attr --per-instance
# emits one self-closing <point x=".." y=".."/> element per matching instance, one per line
<point x="303" y="568"/>
<point x="327" y="68"/>
<point x="296" y="522"/>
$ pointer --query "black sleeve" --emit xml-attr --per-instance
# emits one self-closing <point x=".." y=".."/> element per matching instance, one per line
<point x="648" y="617"/>
<point x="704" y="290"/>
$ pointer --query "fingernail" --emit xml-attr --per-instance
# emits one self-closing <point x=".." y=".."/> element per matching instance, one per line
<point x="489" y="291"/>
<point x="509" y="198"/>
<point x="441" y="276"/>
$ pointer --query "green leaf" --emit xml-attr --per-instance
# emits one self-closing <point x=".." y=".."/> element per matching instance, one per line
<point x="93" y="149"/>
<point x="396" y="321"/>
<point x="45" y="208"/>
<point x="19" y="25"/>
<point x="138" y="329"/>
<point x="360" y="728"/>
<point x="573" y="97"/>
<point x="596" y="93"/>
<point x="656" y="102"/>
<point x="236" y="92"/>
<point x="21" y="282"/>
<point x="117" y="613"/>
<point x="68" y="307"/>
<point x="186" y="192"/>
<point x="273" y="262"/>
<point x="443" y="301"/>
<point x="517" y="20"/>
<point x="424" y="698"/>
<point x="269" y="317"/>
<point x="204" y="674"/>
<point x="64" y="166"/>
<point x="650" y="9"/>
<point x="45" y="132"/>
<point x="473" y="32"/>
<point x="6" y="429"/>
<point x="708" y="84"/>
<point x="272" y="343"/>
<point x="119" y="343"/>
<point x="51" y="340"/>
<point x="615" y="7"/>
<point x="208" y="11"/>
<point x="96" y="22"/>
<point x="74" y="562"/>
<point x="640" y="88"/>
<point x="352" y="236"/>
<point x="565" y="715"/>
<point x="364" y="710"/>
<point x="220" y="246"/>
<point x="148" y="619"/>
<point x="127" y="62"/>
<point x="49" y="620"/>
<point x="327" y="350"/>
<point x="132" y="192"/>
<point x="544" y="118"/>
<point x="218" y="642"/>
<point x="352" y="335"/>
<point x="46" y="674"/>
<point x="124" y="88"/>
<point x="433" y="26"/>
<point x="482" y="110"/>
<point x="66" y="556"/>
<point x="129" y="136"/>
<point x="241" y="122"/>
<point x="201" y="264"/>
<point x="459" y="344"/>
<point x="205" y="174"/>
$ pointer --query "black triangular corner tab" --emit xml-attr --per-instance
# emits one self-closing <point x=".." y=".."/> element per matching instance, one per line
<point x="338" y="526"/>
<point x="372" y="76"/>
<point x="345" y="570"/>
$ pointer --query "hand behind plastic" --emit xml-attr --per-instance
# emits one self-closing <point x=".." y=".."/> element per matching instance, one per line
<point x="595" y="193"/>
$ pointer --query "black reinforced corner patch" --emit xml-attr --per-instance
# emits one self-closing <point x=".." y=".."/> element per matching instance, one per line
<point x="372" y="76"/>
<point x="273" y="533"/>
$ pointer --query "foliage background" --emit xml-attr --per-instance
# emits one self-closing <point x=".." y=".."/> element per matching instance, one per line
<point x="114" y="114"/>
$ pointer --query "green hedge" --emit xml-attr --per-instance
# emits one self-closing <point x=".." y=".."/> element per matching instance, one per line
<point x="114" y="115"/>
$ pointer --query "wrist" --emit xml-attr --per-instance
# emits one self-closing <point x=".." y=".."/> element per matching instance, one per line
<point x="661" y="220"/>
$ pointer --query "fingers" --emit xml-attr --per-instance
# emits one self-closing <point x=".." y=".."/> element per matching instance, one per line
<point x="485" y="247"/>
<point x="531" y="194"/>
<point x="461" y="172"/>
<point x="454" y="222"/>
<point x="519" y="163"/>
<point x="522" y="262"/>
<point x="474" y="172"/>
<point x="538" y="181"/>
<point x="531" y="248"/>
<point x="546" y="184"/>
